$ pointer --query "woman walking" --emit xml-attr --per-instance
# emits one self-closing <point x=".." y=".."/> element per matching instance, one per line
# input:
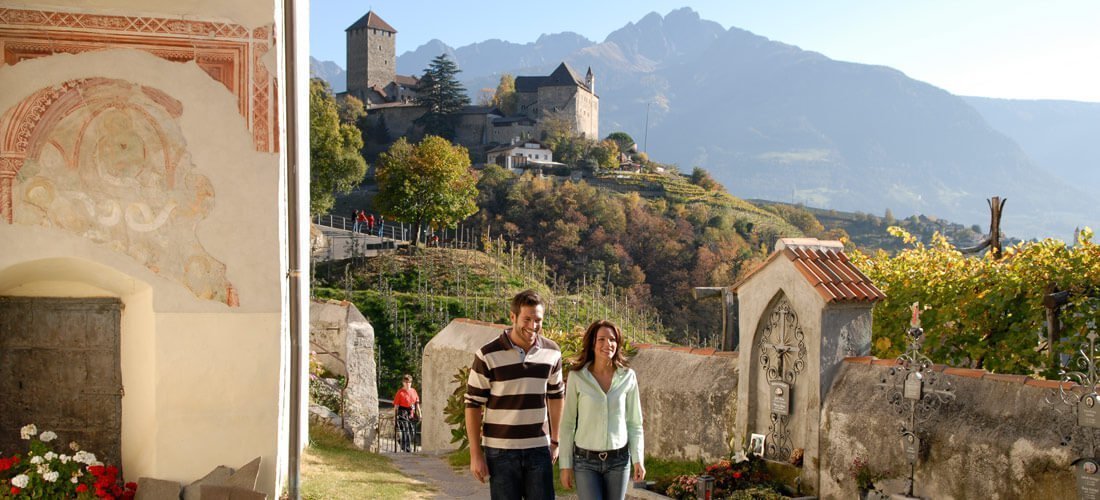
<point x="601" y="424"/>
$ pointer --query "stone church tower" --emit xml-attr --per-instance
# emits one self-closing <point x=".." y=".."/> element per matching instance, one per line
<point x="372" y="61"/>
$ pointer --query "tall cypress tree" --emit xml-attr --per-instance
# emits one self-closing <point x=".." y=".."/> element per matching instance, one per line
<point x="443" y="95"/>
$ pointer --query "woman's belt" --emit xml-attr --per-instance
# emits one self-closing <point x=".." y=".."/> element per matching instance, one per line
<point x="601" y="455"/>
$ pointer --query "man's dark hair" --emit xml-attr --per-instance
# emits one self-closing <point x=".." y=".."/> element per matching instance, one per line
<point x="526" y="298"/>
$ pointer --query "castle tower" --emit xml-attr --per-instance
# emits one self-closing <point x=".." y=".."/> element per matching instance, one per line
<point x="371" y="46"/>
<point x="590" y="81"/>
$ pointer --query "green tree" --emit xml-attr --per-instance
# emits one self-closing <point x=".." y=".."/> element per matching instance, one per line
<point x="429" y="183"/>
<point x="350" y="109"/>
<point x="700" y="177"/>
<point x="443" y="95"/>
<point x="623" y="139"/>
<point x="505" y="97"/>
<point x="606" y="154"/>
<point x="335" y="163"/>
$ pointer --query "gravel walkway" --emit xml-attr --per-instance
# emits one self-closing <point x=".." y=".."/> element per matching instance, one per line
<point x="434" y="470"/>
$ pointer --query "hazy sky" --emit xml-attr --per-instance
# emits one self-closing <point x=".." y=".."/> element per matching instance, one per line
<point x="991" y="48"/>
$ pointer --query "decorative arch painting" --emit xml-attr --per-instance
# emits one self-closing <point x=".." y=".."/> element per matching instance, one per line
<point x="105" y="159"/>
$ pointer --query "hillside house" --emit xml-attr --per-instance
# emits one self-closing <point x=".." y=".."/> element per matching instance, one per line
<point x="521" y="155"/>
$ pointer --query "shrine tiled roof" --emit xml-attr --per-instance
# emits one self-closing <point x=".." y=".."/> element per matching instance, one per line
<point x="826" y="268"/>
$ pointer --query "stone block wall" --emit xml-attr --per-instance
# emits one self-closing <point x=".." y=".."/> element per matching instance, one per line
<point x="689" y="398"/>
<point x="996" y="440"/>
<point x="346" y="339"/>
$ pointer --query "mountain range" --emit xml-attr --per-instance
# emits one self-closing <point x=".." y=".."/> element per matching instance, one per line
<point x="771" y="120"/>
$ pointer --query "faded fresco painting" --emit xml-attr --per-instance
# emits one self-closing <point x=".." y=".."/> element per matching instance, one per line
<point x="105" y="159"/>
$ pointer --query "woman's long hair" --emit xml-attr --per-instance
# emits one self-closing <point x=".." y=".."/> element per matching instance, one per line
<point x="588" y="352"/>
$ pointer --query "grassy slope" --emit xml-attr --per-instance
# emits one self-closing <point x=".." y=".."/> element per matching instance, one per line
<point x="333" y="468"/>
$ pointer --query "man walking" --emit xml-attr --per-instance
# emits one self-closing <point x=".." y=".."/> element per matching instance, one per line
<point x="515" y="384"/>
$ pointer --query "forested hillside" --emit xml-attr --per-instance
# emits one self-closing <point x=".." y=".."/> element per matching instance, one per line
<point x="653" y="248"/>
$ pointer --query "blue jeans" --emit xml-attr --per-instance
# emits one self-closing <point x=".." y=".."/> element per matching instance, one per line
<point x="601" y="479"/>
<point x="515" y="474"/>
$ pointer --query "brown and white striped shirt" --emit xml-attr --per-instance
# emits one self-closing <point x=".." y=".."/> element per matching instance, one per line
<point x="513" y="389"/>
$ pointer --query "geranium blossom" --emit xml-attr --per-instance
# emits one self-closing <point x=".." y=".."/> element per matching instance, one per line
<point x="47" y="436"/>
<point x="51" y="476"/>
<point x="85" y="457"/>
<point x="27" y="431"/>
<point x="50" y="455"/>
<point x="36" y="460"/>
<point x="20" y="481"/>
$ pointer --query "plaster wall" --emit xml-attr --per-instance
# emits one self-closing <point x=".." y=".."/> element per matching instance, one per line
<point x="688" y="403"/>
<point x="447" y="352"/>
<point x="754" y="297"/>
<point x="997" y="440"/>
<point x="203" y="377"/>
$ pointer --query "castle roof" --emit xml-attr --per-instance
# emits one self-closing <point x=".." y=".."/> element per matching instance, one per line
<point x="407" y="81"/>
<point x="371" y="20"/>
<point x="563" y="76"/>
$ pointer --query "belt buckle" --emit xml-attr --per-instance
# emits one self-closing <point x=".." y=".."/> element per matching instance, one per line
<point x="603" y="456"/>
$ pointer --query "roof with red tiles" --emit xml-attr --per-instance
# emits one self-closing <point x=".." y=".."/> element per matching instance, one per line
<point x="371" y="20"/>
<point x="825" y="267"/>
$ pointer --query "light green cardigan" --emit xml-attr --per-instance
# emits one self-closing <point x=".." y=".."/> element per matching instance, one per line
<point x="597" y="421"/>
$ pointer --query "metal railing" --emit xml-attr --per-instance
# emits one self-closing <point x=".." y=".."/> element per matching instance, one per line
<point x="399" y="231"/>
<point x="392" y="429"/>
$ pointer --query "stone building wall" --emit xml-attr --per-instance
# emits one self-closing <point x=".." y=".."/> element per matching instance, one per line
<point x="398" y="119"/>
<point x="370" y="59"/>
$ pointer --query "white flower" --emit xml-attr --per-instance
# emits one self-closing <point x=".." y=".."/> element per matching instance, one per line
<point x="73" y="446"/>
<point x="27" y="431"/>
<point x="50" y="455"/>
<point x="74" y="479"/>
<point x="51" y="476"/>
<point x="20" y="481"/>
<point x="47" y="436"/>
<point x="36" y="459"/>
<point x="84" y="457"/>
<point x="64" y="459"/>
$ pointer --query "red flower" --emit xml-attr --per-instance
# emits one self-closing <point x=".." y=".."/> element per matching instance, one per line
<point x="128" y="494"/>
<point x="112" y="470"/>
<point x="737" y="475"/>
<point x="15" y="490"/>
<point x="131" y="486"/>
<point x="81" y="488"/>
<point x="96" y="469"/>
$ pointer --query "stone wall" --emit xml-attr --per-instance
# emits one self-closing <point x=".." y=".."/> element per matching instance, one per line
<point x="447" y="352"/>
<point x="689" y="398"/>
<point x="996" y="440"/>
<point x="398" y="119"/>
<point x="344" y="342"/>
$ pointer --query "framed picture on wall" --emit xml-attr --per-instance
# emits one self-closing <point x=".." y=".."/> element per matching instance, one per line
<point x="756" y="444"/>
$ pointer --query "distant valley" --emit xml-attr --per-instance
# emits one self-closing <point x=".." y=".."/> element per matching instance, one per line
<point x="774" y="121"/>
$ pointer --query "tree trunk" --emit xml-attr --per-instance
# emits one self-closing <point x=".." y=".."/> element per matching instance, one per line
<point x="418" y="225"/>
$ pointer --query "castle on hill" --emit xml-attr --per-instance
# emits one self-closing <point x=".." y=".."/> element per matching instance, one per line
<point x="391" y="98"/>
